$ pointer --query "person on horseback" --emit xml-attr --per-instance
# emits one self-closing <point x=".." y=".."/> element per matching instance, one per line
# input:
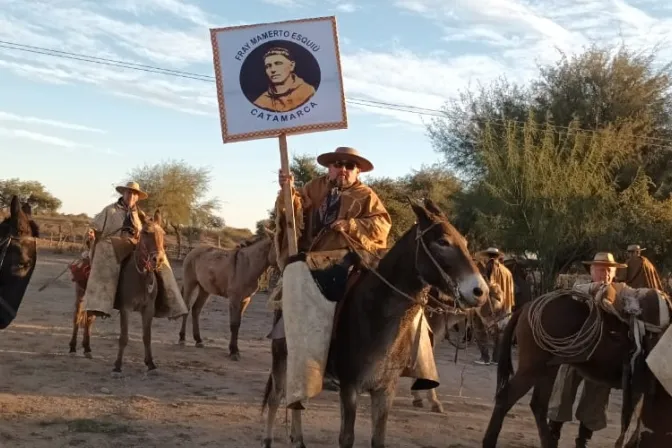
<point x="640" y="273"/>
<point x="116" y="230"/>
<point x="592" y="409"/>
<point x="501" y="276"/>
<point x="333" y="212"/>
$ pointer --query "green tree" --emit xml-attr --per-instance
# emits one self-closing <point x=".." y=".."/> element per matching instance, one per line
<point x="179" y="190"/>
<point x="29" y="191"/>
<point x="305" y="168"/>
<point x="600" y="87"/>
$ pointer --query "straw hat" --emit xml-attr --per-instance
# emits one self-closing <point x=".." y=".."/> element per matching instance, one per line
<point x="634" y="247"/>
<point x="343" y="154"/>
<point x="605" y="259"/>
<point x="132" y="186"/>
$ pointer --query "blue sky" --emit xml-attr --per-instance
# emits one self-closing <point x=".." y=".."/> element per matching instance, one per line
<point x="79" y="127"/>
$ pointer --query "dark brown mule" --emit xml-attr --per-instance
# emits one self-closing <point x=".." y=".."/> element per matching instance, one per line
<point x="18" y="257"/>
<point x="562" y="317"/>
<point x="230" y="273"/>
<point x="368" y="351"/>
<point x="81" y="319"/>
<point x="138" y="286"/>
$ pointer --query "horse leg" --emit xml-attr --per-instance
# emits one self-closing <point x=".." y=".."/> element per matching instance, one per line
<point x="147" y="317"/>
<point x="196" y="315"/>
<point x="296" y="432"/>
<point x="381" y="402"/>
<point x="417" y="398"/>
<point x="275" y="388"/>
<point x="509" y="395"/>
<point x="236" y="310"/>
<point x="539" y="406"/>
<point x="86" y="342"/>
<point x="183" y="330"/>
<point x="434" y="400"/>
<point x="346" y="438"/>
<point x="123" y="339"/>
<point x="75" y="320"/>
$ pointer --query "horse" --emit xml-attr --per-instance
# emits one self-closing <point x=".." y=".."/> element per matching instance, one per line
<point x="231" y="273"/>
<point x="563" y="315"/>
<point x="81" y="319"/>
<point x="18" y="257"/>
<point x="369" y="349"/>
<point x="139" y="287"/>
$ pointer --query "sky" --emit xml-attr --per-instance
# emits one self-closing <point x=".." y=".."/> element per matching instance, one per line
<point x="79" y="127"/>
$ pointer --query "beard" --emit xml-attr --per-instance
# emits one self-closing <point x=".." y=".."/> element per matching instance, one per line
<point x="341" y="182"/>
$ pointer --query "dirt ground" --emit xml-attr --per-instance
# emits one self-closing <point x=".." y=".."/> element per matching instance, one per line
<point x="200" y="398"/>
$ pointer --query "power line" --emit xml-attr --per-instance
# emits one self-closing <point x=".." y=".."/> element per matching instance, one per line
<point x="209" y="78"/>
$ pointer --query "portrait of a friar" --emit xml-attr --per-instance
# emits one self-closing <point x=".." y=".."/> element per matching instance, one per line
<point x="286" y="91"/>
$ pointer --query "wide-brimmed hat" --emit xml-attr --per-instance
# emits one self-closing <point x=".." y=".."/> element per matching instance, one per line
<point x="132" y="186"/>
<point x="634" y="247"/>
<point x="605" y="259"/>
<point x="345" y="154"/>
<point x="492" y="252"/>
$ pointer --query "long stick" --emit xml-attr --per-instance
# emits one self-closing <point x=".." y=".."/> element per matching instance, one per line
<point x="290" y="229"/>
<point x="49" y="282"/>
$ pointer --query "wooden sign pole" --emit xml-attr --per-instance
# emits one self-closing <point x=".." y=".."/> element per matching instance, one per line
<point x="287" y="198"/>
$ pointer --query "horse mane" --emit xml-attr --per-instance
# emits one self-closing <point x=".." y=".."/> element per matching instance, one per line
<point x="250" y="241"/>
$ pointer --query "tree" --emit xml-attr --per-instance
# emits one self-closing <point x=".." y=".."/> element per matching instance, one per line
<point x="305" y="168"/>
<point x="598" y="88"/>
<point x="29" y="191"/>
<point x="179" y="191"/>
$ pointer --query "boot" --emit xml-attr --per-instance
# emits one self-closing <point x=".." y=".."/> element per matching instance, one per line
<point x="585" y="435"/>
<point x="555" y="429"/>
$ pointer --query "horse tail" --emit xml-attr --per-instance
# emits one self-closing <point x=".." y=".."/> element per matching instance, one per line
<point x="505" y="363"/>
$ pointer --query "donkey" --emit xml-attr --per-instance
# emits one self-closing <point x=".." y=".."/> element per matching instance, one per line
<point x="229" y="273"/>
<point x="18" y="257"/>
<point x="80" y="318"/>
<point x="369" y="350"/>
<point x="559" y="316"/>
<point x="139" y="287"/>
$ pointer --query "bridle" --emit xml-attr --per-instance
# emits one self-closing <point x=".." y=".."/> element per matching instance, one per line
<point x="4" y="246"/>
<point x="143" y="257"/>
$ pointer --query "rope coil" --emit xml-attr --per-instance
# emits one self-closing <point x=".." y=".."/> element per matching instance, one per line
<point x="577" y="344"/>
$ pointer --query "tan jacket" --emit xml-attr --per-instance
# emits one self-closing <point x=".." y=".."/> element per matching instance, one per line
<point x="369" y="222"/>
<point x="640" y="273"/>
<point x="111" y="219"/>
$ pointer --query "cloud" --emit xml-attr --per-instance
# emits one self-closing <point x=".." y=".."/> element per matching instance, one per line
<point x="7" y="116"/>
<point x="286" y="3"/>
<point x="65" y="144"/>
<point x="346" y="7"/>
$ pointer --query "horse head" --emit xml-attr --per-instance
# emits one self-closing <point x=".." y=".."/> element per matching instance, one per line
<point x="442" y="256"/>
<point x="151" y="251"/>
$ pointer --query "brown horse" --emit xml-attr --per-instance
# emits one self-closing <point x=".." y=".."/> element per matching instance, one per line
<point x="81" y="319"/>
<point x="18" y="257"/>
<point x="370" y="350"/>
<point x="139" y="286"/>
<point x="231" y="273"/>
<point x="539" y="327"/>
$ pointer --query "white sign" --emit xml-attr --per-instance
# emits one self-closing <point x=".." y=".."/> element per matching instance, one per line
<point x="278" y="78"/>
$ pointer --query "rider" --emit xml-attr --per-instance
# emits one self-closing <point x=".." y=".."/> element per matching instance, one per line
<point x="330" y="204"/>
<point x="592" y="409"/>
<point x="122" y="219"/>
<point x="640" y="273"/>
<point x="500" y="276"/>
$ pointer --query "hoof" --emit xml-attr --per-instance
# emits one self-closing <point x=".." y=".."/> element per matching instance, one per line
<point x="438" y="408"/>
<point x="266" y="443"/>
<point x="181" y="342"/>
<point x="234" y="356"/>
<point x="152" y="372"/>
<point x="200" y="344"/>
<point x="88" y="355"/>
<point x="72" y="352"/>
<point x="117" y="374"/>
<point x="417" y="404"/>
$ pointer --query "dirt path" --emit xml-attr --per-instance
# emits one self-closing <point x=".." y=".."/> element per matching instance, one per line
<point x="202" y="399"/>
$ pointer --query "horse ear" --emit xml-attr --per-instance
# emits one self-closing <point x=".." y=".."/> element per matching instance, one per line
<point x="143" y="217"/>
<point x="157" y="217"/>
<point x="420" y="211"/>
<point x="15" y="208"/>
<point x="433" y="208"/>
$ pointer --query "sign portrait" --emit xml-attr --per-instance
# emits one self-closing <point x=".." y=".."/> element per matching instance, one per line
<point x="278" y="78"/>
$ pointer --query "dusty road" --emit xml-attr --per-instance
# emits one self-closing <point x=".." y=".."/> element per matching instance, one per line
<point x="202" y="399"/>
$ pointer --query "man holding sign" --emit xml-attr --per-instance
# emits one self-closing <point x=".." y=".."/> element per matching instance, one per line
<point x="333" y="213"/>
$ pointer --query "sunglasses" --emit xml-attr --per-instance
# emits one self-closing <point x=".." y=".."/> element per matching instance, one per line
<point x="347" y="165"/>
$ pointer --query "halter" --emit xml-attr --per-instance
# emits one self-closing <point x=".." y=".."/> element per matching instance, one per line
<point x="142" y="257"/>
